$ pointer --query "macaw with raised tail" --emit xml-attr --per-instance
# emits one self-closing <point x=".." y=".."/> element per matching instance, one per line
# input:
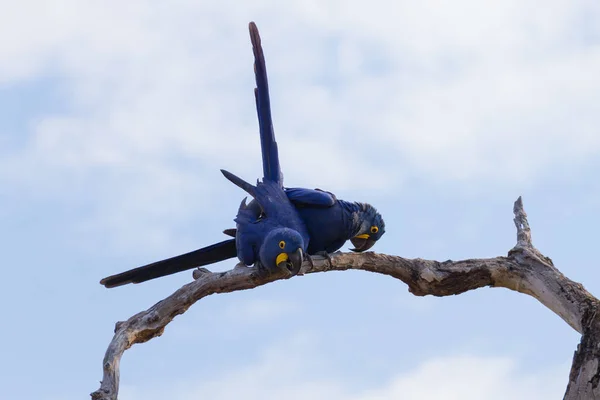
<point x="269" y="233"/>
<point x="330" y="221"/>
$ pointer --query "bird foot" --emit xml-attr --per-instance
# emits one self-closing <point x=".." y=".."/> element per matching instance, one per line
<point x="290" y="272"/>
<point x="308" y="258"/>
<point x="325" y="255"/>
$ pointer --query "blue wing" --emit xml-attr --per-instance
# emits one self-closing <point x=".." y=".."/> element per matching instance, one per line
<point x="246" y="238"/>
<point x="270" y="154"/>
<point x="300" y="197"/>
<point x="310" y="197"/>
<point x="269" y="195"/>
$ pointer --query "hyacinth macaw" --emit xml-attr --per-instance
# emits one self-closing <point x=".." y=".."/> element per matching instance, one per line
<point x="269" y="233"/>
<point x="330" y="221"/>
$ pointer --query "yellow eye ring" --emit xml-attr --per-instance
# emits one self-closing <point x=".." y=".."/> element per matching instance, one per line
<point x="282" y="244"/>
<point x="374" y="229"/>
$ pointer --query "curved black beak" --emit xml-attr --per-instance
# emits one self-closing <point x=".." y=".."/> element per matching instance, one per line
<point x="362" y="244"/>
<point x="293" y="262"/>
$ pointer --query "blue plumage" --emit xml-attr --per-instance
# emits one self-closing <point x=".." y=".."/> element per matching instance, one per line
<point x="330" y="227"/>
<point x="329" y="221"/>
<point x="270" y="155"/>
<point x="277" y="222"/>
<point x="272" y="228"/>
<point x="312" y="197"/>
<point x="280" y="224"/>
<point x="269" y="231"/>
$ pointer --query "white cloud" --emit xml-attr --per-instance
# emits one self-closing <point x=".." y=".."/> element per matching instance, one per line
<point x="160" y="96"/>
<point x="473" y="377"/>
<point x="295" y="370"/>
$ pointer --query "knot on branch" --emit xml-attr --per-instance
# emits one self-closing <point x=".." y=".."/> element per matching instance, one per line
<point x="200" y="272"/>
<point x="118" y="325"/>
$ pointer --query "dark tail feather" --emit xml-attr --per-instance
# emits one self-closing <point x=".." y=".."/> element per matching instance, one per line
<point x="207" y="255"/>
<point x="270" y="154"/>
<point x="230" y="232"/>
<point x="248" y="188"/>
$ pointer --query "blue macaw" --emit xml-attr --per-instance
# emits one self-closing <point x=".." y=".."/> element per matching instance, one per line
<point x="327" y="221"/>
<point x="330" y="221"/>
<point x="269" y="233"/>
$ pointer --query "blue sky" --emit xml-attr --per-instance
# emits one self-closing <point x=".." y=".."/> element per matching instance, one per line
<point x="116" y="117"/>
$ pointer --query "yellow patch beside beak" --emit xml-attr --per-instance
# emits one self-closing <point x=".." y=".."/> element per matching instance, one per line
<point x="281" y="258"/>
<point x="363" y="236"/>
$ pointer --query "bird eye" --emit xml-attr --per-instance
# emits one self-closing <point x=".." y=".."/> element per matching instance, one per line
<point x="374" y="229"/>
<point x="282" y="244"/>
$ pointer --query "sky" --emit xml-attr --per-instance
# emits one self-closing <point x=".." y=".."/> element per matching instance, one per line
<point x="115" y="118"/>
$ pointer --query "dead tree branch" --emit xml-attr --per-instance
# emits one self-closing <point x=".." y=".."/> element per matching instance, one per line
<point x="524" y="270"/>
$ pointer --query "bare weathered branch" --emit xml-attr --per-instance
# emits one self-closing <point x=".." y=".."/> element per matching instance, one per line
<point x="524" y="270"/>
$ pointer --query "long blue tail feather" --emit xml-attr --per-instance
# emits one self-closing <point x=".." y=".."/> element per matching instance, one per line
<point x="197" y="258"/>
<point x="270" y="154"/>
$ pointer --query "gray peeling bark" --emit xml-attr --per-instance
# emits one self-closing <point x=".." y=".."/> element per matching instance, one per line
<point x="524" y="270"/>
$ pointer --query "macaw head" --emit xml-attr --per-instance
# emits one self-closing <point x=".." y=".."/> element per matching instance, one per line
<point x="282" y="249"/>
<point x="371" y="229"/>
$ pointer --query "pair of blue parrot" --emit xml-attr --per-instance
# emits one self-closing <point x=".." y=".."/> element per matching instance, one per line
<point x="280" y="227"/>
